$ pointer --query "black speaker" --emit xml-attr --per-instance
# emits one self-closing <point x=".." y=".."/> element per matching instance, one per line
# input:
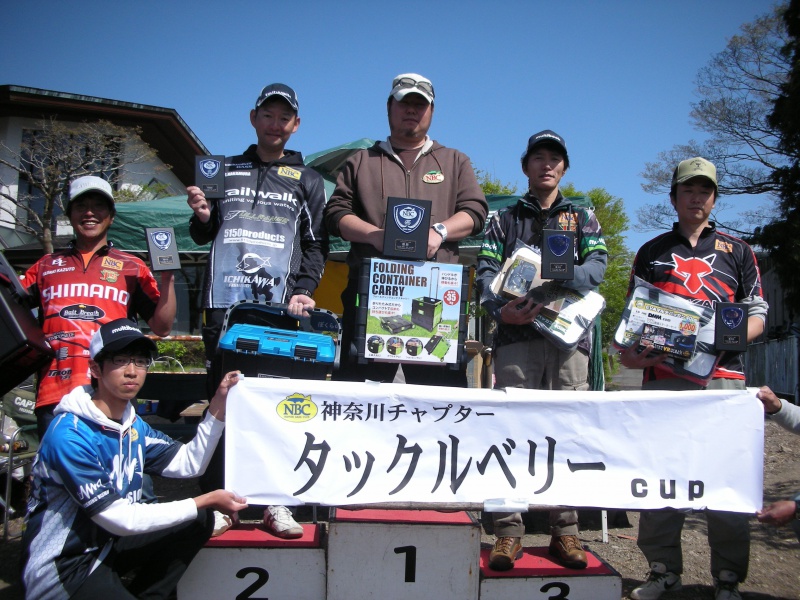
<point x="23" y="349"/>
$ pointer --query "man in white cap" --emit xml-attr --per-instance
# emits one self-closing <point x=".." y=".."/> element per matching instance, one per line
<point x="706" y="266"/>
<point x="89" y="283"/>
<point x="409" y="164"/>
<point x="87" y="526"/>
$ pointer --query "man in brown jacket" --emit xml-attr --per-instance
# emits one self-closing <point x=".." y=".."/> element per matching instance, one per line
<point x="408" y="164"/>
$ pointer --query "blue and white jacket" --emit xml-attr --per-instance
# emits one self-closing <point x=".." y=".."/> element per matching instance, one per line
<point x="87" y="488"/>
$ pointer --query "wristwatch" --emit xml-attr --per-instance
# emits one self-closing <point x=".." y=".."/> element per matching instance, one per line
<point x="441" y="230"/>
<point x="301" y="291"/>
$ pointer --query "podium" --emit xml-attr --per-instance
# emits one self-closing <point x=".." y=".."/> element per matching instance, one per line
<point x="536" y="576"/>
<point x="383" y="555"/>
<point x="248" y="562"/>
<point x="402" y="554"/>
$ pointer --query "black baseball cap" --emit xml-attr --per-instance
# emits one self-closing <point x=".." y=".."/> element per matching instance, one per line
<point x="281" y="90"/>
<point x="118" y="335"/>
<point x="548" y="137"/>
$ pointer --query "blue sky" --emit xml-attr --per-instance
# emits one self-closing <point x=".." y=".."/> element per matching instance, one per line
<point x="614" y="78"/>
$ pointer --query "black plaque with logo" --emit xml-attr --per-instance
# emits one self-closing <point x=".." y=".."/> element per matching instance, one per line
<point x="558" y="255"/>
<point x="408" y="223"/>
<point x="730" y="326"/>
<point x="209" y="175"/>
<point x="163" y="248"/>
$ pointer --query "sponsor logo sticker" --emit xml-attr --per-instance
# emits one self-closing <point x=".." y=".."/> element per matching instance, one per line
<point x="433" y="177"/>
<point x="81" y="312"/>
<point x="297" y="408"/>
<point x="723" y="246"/>
<point x="112" y="263"/>
<point x="109" y="275"/>
<point x="289" y="172"/>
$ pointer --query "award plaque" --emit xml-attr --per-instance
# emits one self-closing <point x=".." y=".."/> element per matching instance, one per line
<point x="209" y="175"/>
<point x="730" y="327"/>
<point x="558" y="258"/>
<point x="163" y="248"/>
<point x="408" y="222"/>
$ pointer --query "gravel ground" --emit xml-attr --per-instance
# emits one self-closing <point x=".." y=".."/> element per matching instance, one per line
<point x="774" y="555"/>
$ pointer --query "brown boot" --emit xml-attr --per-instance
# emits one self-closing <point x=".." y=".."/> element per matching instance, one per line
<point x="505" y="552"/>
<point x="568" y="550"/>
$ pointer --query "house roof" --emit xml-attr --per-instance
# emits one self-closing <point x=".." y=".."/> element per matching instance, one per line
<point x="162" y="128"/>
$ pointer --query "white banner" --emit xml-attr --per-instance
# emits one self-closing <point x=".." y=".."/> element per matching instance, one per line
<point x="333" y="443"/>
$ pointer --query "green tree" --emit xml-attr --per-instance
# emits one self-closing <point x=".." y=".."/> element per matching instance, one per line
<point x="781" y="237"/>
<point x="492" y="186"/>
<point x="736" y="91"/>
<point x="610" y="211"/>
<point x="50" y="157"/>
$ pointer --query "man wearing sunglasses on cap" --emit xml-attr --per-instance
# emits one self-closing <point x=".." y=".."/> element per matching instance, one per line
<point x="409" y="164"/>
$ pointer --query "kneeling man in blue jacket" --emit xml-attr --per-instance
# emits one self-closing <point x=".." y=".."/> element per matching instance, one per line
<point x="86" y="526"/>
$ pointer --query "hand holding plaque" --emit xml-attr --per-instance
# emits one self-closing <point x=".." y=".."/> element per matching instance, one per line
<point x="730" y="327"/>
<point x="209" y="175"/>
<point x="163" y="249"/>
<point x="558" y="259"/>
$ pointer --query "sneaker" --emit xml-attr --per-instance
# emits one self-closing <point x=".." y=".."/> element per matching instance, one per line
<point x="279" y="522"/>
<point x="221" y="523"/>
<point x="505" y="553"/>
<point x="726" y="586"/>
<point x="659" y="581"/>
<point x="568" y="550"/>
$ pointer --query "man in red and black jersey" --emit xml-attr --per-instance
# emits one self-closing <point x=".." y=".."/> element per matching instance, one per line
<point x="85" y="285"/>
<point x="706" y="266"/>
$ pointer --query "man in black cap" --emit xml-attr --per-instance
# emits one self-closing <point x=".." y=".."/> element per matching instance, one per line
<point x="86" y="525"/>
<point x="523" y="357"/>
<point x="268" y="242"/>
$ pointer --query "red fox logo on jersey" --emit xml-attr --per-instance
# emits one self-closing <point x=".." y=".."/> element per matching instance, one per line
<point x="693" y="270"/>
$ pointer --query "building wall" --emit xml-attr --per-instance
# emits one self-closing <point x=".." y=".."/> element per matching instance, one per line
<point x="11" y="131"/>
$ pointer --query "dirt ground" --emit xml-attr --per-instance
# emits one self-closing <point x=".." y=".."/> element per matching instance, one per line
<point x="774" y="553"/>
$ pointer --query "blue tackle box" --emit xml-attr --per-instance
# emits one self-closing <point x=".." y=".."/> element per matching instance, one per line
<point x="262" y="351"/>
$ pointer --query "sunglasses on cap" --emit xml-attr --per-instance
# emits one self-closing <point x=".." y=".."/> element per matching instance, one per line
<point x="409" y="82"/>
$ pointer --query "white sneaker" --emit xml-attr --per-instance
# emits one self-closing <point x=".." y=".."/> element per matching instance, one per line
<point x="221" y="523"/>
<point x="659" y="581"/>
<point x="279" y="522"/>
<point x="726" y="586"/>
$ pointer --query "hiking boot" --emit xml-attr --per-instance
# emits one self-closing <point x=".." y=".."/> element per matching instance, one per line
<point x="279" y="522"/>
<point x="221" y="523"/>
<point x="659" y="581"/>
<point x="505" y="552"/>
<point x="568" y="550"/>
<point x="726" y="586"/>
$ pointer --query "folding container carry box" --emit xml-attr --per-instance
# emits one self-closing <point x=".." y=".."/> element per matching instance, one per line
<point x="426" y="311"/>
